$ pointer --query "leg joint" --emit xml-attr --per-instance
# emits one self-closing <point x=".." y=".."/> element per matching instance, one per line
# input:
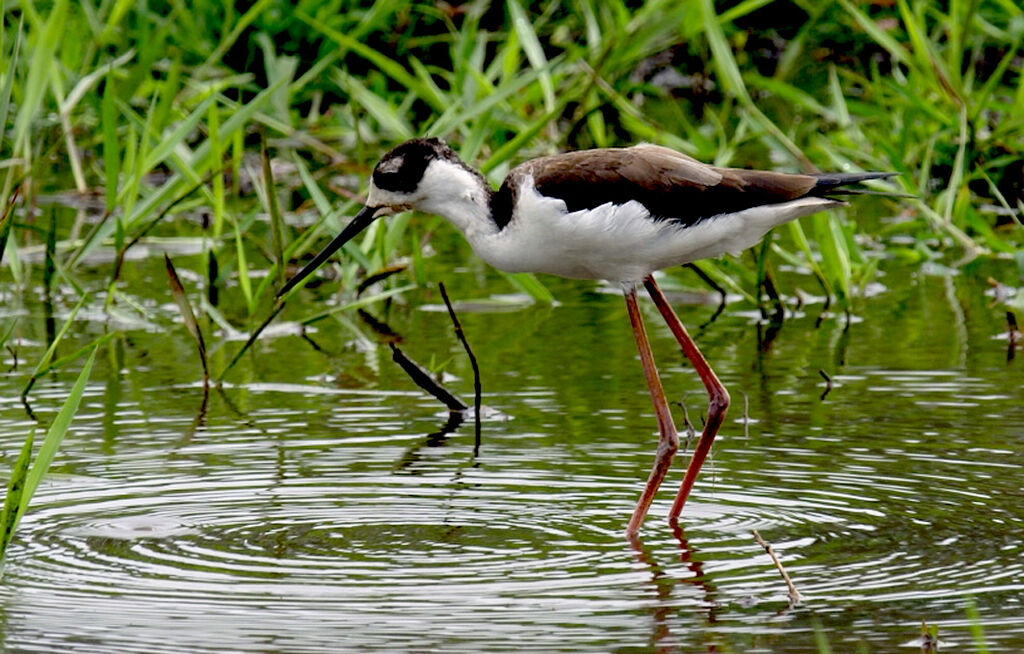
<point x="668" y="445"/>
<point x="719" y="400"/>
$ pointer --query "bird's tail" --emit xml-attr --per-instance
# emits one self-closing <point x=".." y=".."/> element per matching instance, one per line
<point x="831" y="184"/>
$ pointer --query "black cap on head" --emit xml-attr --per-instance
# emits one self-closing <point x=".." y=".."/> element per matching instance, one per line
<point x="401" y="169"/>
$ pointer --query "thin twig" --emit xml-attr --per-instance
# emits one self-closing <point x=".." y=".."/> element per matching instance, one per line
<point x="691" y="433"/>
<point x="423" y="379"/>
<point x="794" y="594"/>
<point x="472" y="361"/>
<point x="746" y="413"/>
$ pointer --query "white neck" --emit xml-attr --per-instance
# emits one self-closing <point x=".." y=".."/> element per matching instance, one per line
<point x="454" y="193"/>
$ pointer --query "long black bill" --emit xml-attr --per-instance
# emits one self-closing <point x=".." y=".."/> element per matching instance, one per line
<point x="362" y="220"/>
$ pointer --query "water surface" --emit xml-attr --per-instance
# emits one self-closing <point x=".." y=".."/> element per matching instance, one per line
<point x="314" y="504"/>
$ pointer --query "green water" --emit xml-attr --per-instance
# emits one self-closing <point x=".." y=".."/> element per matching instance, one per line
<point x="311" y="504"/>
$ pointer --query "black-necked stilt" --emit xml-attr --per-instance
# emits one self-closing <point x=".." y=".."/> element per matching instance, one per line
<point x="617" y="214"/>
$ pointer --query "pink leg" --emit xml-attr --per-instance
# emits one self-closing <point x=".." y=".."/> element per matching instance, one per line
<point x="668" y="442"/>
<point x="718" y="397"/>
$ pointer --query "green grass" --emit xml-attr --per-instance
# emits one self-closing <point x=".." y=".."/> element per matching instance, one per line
<point x="27" y="473"/>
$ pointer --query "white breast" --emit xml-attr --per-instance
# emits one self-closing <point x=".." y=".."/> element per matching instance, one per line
<point x="621" y="242"/>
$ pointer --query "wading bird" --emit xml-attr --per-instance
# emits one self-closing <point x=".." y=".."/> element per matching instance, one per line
<point x="617" y="214"/>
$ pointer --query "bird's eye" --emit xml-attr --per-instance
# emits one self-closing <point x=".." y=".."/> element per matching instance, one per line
<point x="391" y="166"/>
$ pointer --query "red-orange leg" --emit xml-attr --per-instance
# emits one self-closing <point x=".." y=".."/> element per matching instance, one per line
<point x="718" y="397"/>
<point x="668" y="442"/>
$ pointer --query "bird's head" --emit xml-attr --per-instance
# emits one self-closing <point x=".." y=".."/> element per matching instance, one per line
<point x="403" y="179"/>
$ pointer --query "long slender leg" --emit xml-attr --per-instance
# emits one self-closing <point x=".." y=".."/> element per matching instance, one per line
<point x="718" y="397"/>
<point x="668" y="442"/>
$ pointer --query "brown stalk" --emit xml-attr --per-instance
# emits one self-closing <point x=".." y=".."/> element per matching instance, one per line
<point x="794" y="595"/>
<point x="188" y="316"/>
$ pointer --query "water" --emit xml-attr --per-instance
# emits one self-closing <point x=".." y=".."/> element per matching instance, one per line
<point x="311" y="504"/>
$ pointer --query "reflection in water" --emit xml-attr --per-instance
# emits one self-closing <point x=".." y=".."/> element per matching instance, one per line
<point x="199" y="421"/>
<point x="664" y="611"/>
<point x="434" y="439"/>
<point x="766" y="335"/>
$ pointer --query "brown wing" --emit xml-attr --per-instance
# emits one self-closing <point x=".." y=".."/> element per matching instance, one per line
<point x="671" y="185"/>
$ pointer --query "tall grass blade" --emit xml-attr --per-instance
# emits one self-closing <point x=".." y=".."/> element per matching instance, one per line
<point x="797" y="232"/>
<point x="15" y="491"/>
<point x="57" y="364"/>
<point x="834" y="255"/>
<point x="529" y="284"/>
<point x="243" y="269"/>
<point x="276" y="223"/>
<point x="111" y="149"/>
<point x="7" y="334"/>
<point x="44" y="363"/>
<point x="959" y="163"/>
<point x="5" y="94"/>
<point x="176" y="138"/>
<point x="977" y="632"/>
<point x="55" y="436"/>
<point x="187" y="315"/>
<point x="534" y="51"/>
<point x="6" y="220"/>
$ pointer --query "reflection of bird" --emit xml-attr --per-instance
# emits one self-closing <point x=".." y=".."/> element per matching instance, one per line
<point x="617" y="214"/>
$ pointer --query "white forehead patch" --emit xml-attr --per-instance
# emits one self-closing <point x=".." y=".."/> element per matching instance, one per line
<point x="392" y="165"/>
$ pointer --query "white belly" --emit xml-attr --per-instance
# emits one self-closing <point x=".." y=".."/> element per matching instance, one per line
<point x="621" y="243"/>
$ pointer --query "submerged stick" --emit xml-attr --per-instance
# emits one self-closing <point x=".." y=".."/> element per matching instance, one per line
<point x="1013" y="333"/>
<point x="794" y="594"/>
<point x="472" y="361"/>
<point x="423" y="379"/>
<point x="828" y="383"/>
<point x="691" y="433"/>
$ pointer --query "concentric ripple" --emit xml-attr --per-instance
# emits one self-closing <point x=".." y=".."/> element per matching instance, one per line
<point x="258" y="538"/>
